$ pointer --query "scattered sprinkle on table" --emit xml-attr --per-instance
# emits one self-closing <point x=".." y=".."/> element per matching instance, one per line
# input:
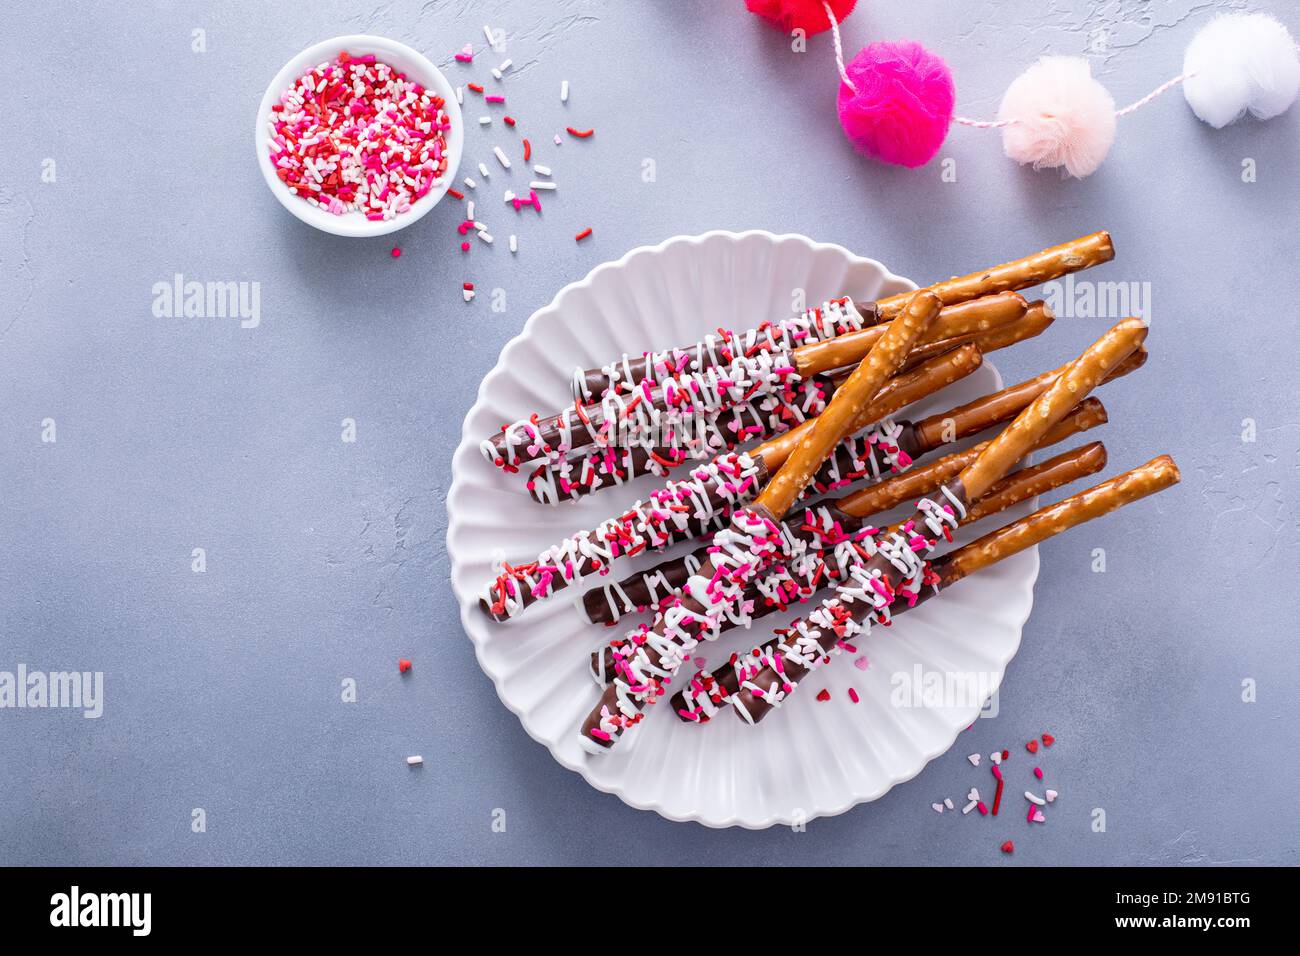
<point x="414" y="760"/>
<point x="396" y="252"/>
<point x="403" y="666"/>
<point x="853" y="696"/>
<point x="579" y="133"/>
<point x="1008" y="847"/>
<point x="582" y="235"/>
<point x="564" y="91"/>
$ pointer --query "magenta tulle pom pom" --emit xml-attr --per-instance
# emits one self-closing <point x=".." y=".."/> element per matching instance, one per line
<point x="902" y="103"/>
<point x="806" y="15"/>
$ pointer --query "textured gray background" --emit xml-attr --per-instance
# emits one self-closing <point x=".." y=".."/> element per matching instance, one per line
<point x="327" y="560"/>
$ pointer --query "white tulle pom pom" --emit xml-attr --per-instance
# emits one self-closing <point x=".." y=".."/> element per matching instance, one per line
<point x="1059" y="116"/>
<point x="1240" y="62"/>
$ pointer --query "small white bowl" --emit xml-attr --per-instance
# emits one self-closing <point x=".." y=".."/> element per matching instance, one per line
<point x="395" y="54"/>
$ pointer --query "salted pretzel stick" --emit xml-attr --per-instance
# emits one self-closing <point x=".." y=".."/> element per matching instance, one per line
<point x="607" y="603"/>
<point x="841" y="417"/>
<point x="703" y="500"/>
<point x="1036" y="320"/>
<point x="707" y="693"/>
<point x="677" y="406"/>
<point x="1051" y="263"/>
<point x="822" y="560"/>
<point x="744" y="550"/>
<point x="898" y="566"/>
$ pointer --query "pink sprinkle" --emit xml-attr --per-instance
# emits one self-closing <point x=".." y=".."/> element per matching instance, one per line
<point x="494" y="98"/>
<point x="464" y="247"/>
<point x="853" y="695"/>
<point x="861" y="663"/>
<point x="599" y="734"/>
<point x="1038" y="772"/>
<point x="984" y="810"/>
<point x="396" y="252"/>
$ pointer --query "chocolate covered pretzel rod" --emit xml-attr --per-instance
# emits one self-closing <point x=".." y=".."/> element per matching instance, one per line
<point x="825" y="542"/>
<point x="703" y="502"/>
<point x="607" y="603"/>
<point x="1052" y="263"/>
<point x="749" y="546"/>
<point x="898" y="567"/>
<point x="578" y="474"/>
<point x="677" y="413"/>
<point x="706" y="693"/>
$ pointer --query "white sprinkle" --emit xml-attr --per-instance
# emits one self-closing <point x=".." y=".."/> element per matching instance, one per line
<point x="947" y="802"/>
<point x="501" y="157"/>
<point x="479" y="225"/>
<point x="414" y="761"/>
<point x="468" y="294"/>
<point x="505" y="65"/>
<point x="937" y="807"/>
<point x="970" y="806"/>
<point x="1033" y="799"/>
<point x="485" y="237"/>
<point x="1052" y="795"/>
<point x="487" y="32"/>
<point x="510" y="194"/>
<point x="542" y="170"/>
<point x="514" y="243"/>
<point x="469" y="209"/>
<point x="460" y="95"/>
<point x="558" y="141"/>
<point x="996" y="756"/>
<point x="484" y="120"/>
<point x="483" y="170"/>
<point x="974" y="760"/>
<point x="470" y="183"/>
<point x="540" y="184"/>
<point x="564" y="91"/>
<point x="496" y="72"/>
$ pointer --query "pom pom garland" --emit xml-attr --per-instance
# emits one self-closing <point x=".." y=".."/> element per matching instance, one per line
<point x="810" y="16"/>
<point x="1239" y="63"/>
<point x="1056" y="114"/>
<point x="896" y="101"/>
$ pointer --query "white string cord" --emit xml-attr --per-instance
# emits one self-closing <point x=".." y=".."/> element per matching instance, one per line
<point x="839" y="49"/>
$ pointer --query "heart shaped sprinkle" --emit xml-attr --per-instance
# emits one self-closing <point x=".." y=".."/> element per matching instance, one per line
<point x="1051" y="795"/>
<point x="973" y="795"/>
<point x="861" y="663"/>
<point x="1032" y="746"/>
<point x="824" y="695"/>
<point x="937" y="807"/>
<point x="1008" y="847"/>
<point x="995" y="757"/>
<point x="974" y="760"/>
<point x="1048" y="740"/>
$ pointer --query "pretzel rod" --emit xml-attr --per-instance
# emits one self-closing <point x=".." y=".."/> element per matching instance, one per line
<point x="943" y="428"/>
<point x="841" y="417"/>
<point x="1050" y="263"/>
<point x="607" y="603"/>
<point x="964" y="319"/>
<point x="745" y="550"/>
<point x="1036" y="320"/>
<point x="705" y="694"/>
<point x="1069" y="388"/>
<point x="898" y="565"/>
<point x="678" y="417"/>
<point x="817" y="555"/>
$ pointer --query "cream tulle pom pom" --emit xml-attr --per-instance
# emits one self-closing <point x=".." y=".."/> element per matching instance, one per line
<point x="1241" y="62"/>
<point x="1061" y="116"/>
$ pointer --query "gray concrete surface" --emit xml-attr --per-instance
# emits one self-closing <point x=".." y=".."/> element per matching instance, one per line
<point x="326" y="560"/>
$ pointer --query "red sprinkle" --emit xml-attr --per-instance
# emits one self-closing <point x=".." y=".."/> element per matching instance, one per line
<point x="1006" y="755"/>
<point x="528" y="150"/>
<point x="467" y="285"/>
<point x="456" y="193"/>
<point x="824" y="695"/>
<point x="396" y="252"/>
<point x="464" y="247"/>
<point x="476" y="87"/>
<point x="853" y="695"/>
<point x="509" y="120"/>
<point x="403" y="665"/>
<point x="580" y="133"/>
<point x="1048" y="740"/>
<point x="1032" y="746"/>
<point x="582" y="235"/>
<point x="1008" y="847"/>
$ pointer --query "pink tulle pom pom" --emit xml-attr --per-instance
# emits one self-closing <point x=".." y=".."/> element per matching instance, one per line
<point x="1060" y="116"/>
<point x="806" y="15"/>
<point x="902" y="106"/>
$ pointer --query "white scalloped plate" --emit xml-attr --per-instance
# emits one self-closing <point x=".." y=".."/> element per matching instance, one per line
<point x="810" y="759"/>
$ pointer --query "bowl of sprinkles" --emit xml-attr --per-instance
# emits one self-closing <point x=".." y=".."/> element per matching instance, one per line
<point x="359" y="135"/>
